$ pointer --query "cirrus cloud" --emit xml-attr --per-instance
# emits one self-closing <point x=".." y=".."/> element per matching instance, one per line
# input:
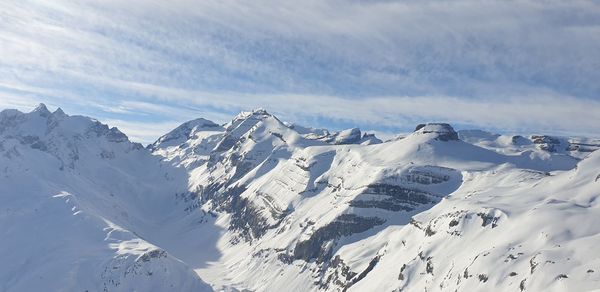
<point x="382" y="65"/>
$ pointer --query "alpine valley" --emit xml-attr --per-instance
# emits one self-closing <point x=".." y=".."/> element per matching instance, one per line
<point x="258" y="204"/>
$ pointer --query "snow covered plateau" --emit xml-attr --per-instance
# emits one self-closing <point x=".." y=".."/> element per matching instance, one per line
<point x="258" y="204"/>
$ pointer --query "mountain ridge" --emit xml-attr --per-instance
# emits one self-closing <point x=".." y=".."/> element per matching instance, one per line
<point x="264" y="205"/>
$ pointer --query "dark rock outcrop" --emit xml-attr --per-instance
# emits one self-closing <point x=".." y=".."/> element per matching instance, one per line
<point x="319" y="246"/>
<point x="545" y="142"/>
<point x="393" y="198"/>
<point x="442" y="131"/>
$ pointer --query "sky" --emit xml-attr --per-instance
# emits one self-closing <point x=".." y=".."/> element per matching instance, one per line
<point x="384" y="66"/>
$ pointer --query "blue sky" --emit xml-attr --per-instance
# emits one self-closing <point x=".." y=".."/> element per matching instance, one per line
<point x="146" y="66"/>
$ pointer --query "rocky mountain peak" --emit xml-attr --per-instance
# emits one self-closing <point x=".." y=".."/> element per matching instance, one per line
<point x="184" y="132"/>
<point x="42" y="110"/>
<point x="260" y="111"/>
<point x="48" y="125"/>
<point x="245" y="120"/>
<point x="59" y="112"/>
<point x="348" y="136"/>
<point x="255" y="113"/>
<point x="441" y="131"/>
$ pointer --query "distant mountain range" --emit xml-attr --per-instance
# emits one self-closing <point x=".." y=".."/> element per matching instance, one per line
<point x="258" y="204"/>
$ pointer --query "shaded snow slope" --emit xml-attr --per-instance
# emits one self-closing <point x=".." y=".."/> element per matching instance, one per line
<point x="77" y="201"/>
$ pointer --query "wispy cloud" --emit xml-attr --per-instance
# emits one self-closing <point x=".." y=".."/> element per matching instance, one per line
<point x="524" y="114"/>
<point x="526" y="65"/>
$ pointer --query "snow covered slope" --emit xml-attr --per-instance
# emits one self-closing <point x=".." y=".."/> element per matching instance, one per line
<point x="412" y="214"/>
<point x="77" y="201"/>
<point x="265" y="205"/>
<point x="504" y="229"/>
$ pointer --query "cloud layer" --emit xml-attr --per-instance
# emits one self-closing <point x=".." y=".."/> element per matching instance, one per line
<point x="382" y="65"/>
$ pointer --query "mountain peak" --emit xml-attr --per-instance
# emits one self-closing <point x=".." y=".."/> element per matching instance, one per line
<point x="348" y="136"/>
<point x="200" y="123"/>
<point x="442" y="131"/>
<point x="250" y="117"/>
<point x="42" y="110"/>
<point x="258" y="112"/>
<point x="59" y="112"/>
<point x="184" y="132"/>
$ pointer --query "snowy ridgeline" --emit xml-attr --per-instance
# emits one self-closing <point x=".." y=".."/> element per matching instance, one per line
<point x="264" y="205"/>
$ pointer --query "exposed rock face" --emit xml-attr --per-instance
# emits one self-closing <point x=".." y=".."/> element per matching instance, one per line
<point x="441" y="131"/>
<point x="545" y="142"/>
<point x="246" y="219"/>
<point x="403" y="194"/>
<point x="394" y="198"/>
<point x="562" y="144"/>
<point x="320" y="245"/>
<point x="112" y="134"/>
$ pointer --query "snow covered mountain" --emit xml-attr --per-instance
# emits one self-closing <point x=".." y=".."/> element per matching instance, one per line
<point x="264" y="205"/>
<point x="78" y="200"/>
